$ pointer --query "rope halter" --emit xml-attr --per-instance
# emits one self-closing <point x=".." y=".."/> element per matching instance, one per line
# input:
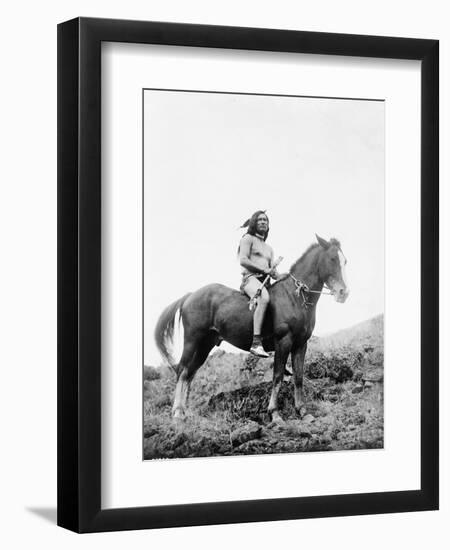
<point x="301" y="288"/>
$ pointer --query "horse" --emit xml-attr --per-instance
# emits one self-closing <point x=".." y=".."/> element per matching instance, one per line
<point x="216" y="312"/>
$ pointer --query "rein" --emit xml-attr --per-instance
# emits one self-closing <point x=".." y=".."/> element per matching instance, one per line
<point x="301" y="288"/>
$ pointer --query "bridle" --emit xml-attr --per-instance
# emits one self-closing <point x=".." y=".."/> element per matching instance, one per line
<point x="301" y="288"/>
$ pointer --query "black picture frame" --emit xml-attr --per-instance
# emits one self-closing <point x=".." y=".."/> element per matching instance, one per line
<point x="79" y="274"/>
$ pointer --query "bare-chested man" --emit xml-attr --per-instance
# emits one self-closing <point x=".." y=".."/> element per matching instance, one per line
<point x="256" y="258"/>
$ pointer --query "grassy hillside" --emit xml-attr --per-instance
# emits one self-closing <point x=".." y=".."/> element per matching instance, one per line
<point x="230" y="393"/>
<point x="367" y="333"/>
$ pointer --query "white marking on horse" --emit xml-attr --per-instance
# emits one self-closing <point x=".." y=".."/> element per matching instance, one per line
<point x="343" y="273"/>
<point x="274" y="397"/>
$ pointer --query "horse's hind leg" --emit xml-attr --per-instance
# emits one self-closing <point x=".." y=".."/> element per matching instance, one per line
<point x="194" y="355"/>
<point x="202" y="353"/>
<point x="189" y="351"/>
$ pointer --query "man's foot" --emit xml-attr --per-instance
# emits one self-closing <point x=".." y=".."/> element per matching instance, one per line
<point x="259" y="351"/>
<point x="257" y="348"/>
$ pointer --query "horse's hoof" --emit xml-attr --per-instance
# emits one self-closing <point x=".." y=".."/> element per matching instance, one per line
<point x="179" y="424"/>
<point x="178" y="415"/>
<point x="301" y="411"/>
<point x="277" y="420"/>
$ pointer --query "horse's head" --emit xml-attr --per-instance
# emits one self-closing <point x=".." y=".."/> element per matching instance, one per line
<point x="332" y="268"/>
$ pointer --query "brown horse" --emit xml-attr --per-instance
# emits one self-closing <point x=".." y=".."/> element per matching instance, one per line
<point x="215" y="313"/>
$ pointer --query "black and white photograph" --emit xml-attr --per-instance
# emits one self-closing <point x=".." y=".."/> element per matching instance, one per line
<point x="263" y="273"/>
<point x="226" y="232"/>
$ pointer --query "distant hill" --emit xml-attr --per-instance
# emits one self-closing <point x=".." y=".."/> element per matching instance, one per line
<point x="366" y="333"/>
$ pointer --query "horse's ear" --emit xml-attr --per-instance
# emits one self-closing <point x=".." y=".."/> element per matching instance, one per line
<point x="323" y="243"/>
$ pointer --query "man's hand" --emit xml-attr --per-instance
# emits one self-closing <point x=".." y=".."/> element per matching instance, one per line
<point x="272" y="272"/>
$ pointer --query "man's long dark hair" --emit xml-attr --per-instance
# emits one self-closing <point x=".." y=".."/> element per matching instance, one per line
<point x="251" y="225"/>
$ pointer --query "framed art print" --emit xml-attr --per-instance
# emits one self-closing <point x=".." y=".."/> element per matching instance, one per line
<point x="248" y="274"/>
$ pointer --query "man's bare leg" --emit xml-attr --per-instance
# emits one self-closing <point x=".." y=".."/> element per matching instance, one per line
<point x="258" y="317"/>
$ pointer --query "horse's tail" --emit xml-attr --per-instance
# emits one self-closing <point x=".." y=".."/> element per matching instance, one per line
<point x="165" y="328"/>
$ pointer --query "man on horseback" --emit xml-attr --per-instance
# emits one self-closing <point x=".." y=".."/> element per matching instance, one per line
<point x="257" y="260"/>
<point x="216" y="312"/>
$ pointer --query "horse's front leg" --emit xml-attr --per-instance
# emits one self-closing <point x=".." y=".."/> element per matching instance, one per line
<point x="298" y="360"/>
<point x="282" y="350"/>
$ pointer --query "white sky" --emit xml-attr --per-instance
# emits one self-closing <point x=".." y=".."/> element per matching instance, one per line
<point x="211" y="160"/>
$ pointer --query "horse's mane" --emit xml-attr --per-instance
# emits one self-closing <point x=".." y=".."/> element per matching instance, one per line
<point x="305" y="253"/>
<point x="313" y="246"/>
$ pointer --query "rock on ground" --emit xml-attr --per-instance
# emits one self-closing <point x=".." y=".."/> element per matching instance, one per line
<point x="245" y="433"/>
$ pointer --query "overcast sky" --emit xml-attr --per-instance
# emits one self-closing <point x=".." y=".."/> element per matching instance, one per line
<point x="211" y="160"/>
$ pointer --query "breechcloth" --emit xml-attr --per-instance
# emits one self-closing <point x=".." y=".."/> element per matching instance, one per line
<point x="245" y="279"/>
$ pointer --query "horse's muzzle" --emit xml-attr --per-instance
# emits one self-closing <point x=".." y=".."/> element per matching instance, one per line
<point x="341" y="295"/>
